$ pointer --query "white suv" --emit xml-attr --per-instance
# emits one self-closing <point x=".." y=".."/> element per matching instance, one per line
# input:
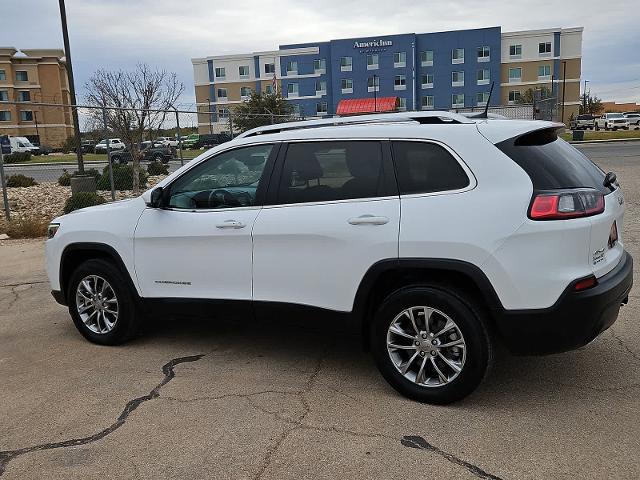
<point x="439" y="234"/>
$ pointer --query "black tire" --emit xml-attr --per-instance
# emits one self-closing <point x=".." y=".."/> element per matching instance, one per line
<point x="469" y="320"/>
<point x="129" y="319"/>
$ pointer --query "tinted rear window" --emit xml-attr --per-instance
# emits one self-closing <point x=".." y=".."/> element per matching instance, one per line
<point x="552" y="163"/>
<point x="426" y="167"/>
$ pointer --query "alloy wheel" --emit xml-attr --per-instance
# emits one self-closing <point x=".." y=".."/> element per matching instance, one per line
<point x="426" y="346"/>
<point x="97" y="304"/>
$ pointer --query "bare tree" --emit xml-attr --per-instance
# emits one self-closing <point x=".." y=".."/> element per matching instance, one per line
<point x="138" y="99"/>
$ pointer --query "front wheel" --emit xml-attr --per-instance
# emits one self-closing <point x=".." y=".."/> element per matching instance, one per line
<point x="430" y="344"/>
<point x="101" y="305"/>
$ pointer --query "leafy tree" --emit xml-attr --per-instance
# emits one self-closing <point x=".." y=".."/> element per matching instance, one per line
<point x="532" y="96"/>
<point x="591" y="104"/>
<point x="261" y="109"/>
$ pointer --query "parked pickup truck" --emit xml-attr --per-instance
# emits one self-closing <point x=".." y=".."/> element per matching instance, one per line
<point x="196" y="141"/>
<point x="634" y="119"/>
<point x="583" y="122"/>
<point x="612" y="121"/>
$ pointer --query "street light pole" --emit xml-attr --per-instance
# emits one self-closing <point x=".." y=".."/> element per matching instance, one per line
<point x="72" y="88"/>
<point x="584" y="97"/>
<point x="375" y="91"/>
<point x="564" y="84"/>
<point x="209" y="115"/>
<point x="35" y="119"/>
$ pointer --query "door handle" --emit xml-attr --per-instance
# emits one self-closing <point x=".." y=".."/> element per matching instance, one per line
<point x="368" y="220"/>
<point x="230" y="224"/>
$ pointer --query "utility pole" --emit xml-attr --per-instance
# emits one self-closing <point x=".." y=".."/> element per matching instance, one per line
<point x="584" y="97"/>
<point x="413" y="74"/>
<point x="72" y="88"/>
<point x="209" y="115"/>
<point x="564" y="84"/>
<point x="375" y="91"/>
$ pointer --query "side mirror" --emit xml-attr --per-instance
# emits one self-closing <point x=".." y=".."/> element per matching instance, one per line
<point x="157" y="199"/>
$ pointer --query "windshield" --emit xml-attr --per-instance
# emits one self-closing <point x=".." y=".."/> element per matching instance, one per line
<point x="616" y="115"/>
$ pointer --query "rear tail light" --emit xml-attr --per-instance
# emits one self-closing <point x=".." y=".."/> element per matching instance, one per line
<point x="585" y="284"/>
<point x="565" y="204"/>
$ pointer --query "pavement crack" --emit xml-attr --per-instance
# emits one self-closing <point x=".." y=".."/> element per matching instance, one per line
<point x="169" y="374"/>
<point x="414" y="441"/>
<point x="35" y="282"/>
<point x="624" y="345"/>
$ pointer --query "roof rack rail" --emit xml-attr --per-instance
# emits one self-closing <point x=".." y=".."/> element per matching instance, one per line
<point x="431" y="117"/>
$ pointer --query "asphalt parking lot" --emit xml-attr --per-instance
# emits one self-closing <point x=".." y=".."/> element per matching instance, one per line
<point x="285" y="399"/>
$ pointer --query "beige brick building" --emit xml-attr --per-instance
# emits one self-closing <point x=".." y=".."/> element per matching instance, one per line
<point x="34" y="76"/>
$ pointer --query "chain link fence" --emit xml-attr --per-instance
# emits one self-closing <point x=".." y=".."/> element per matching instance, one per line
<point x="513" y="112"/>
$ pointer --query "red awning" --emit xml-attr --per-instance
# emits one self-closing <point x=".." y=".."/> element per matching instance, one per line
<point x="367" y="105"/>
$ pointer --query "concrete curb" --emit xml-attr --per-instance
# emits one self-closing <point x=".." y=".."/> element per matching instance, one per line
<point x="611" y="140"/>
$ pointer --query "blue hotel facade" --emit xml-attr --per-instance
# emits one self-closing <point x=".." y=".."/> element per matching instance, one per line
<point x="439" y="71"/>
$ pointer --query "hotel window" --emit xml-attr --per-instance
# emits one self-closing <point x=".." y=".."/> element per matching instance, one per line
<point x="484" y="54"/>
<point x="544" y="72"/>
<point x="223" y="112"/>
<point x="243" y="70"/>
<point x="321" y="87"/>
<point x="24" y="96"/>
<point x="402" y="104"/>
<point x="321" y="108"/>
<point x="482" y="98"/>
<point x="3" y="75"/>
<point x="22" y="76"/>
<point x="346" y="64"/>
<point x="373" y="84"/>
<point x="5" y="116"/>
<point x="320" y="65"/>
<point x="544" y="48"/>
<point x="457" y="79"/>
<point x="296" y="109"/>
<point x="515" y="51"/>
<point x="221" y="72"/>
<point x="457" y="55"/>
<point x="515" y="74"/>
<point x="457" y="100"/>
<point x="400" y="59"/>
<point x="269" y="68"/>
<point x="26" y="115"/>
<point x="222" y="93"/>
<point x="245" y="92"/>
<point x="292" y="68"/>
<point x="4" y="96"/>
<point x="400" y="82"/>
<point x="484" y="76"/>
<point x="427" y="102"/>
<point x="514" y="96"/>
<point x="268" y="89"/>
<point x="346" y="85"/>
<point x="427" y="80"/>
<point x="372" y="61"/>
<point x="292" y="90"/>
<point x="426" y="58"/>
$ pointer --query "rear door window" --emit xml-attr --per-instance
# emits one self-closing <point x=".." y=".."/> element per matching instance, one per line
<point x="423" y="167"/>
<point x="326" y="171"/>
<point x="552" y="163"/>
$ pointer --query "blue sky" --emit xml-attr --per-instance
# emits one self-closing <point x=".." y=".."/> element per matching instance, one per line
<point x="116" y="34"/>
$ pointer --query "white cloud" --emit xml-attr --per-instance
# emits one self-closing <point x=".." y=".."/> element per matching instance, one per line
<point x="167" y="33"/>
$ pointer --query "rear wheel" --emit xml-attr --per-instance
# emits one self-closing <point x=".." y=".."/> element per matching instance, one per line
<point x="100" y="304"/>
<point x="430" y="344"/>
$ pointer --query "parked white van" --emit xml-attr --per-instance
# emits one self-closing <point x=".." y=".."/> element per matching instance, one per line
<point x="22" y="144"/>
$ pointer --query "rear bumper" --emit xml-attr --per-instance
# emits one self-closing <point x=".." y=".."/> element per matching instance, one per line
<point x="573" y="321"/>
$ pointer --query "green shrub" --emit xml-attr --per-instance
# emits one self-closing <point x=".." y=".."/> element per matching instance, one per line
<point x="20" y="180"/>
<point x="157" y="168"/>
<point x="69" y="145"/>
<point x="65" y="179"/>
<point x="122" y="178"/>
<point x="17" y="157"/>
<point x="82" y="200"/>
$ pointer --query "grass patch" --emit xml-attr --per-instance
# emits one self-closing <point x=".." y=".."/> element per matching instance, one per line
<point x="29" y="227"/>
<point x="602" y="135"/>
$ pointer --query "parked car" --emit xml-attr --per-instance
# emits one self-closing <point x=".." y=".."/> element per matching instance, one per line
<point x="612" y="121"/>
<point x="168" y="141"/>
<point x="148" y="152"/>
<point x="89" y="146"/>
<point x="196" y="141"/>
<point x="44" y="150"/>
<point x="22" y="144"/>
<point x="114" y="144"/>
<point x="584" y="122"/>
<point x="307" y="223"/>
<point x="634" y="119"/>
<point x="191" y="141"/>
